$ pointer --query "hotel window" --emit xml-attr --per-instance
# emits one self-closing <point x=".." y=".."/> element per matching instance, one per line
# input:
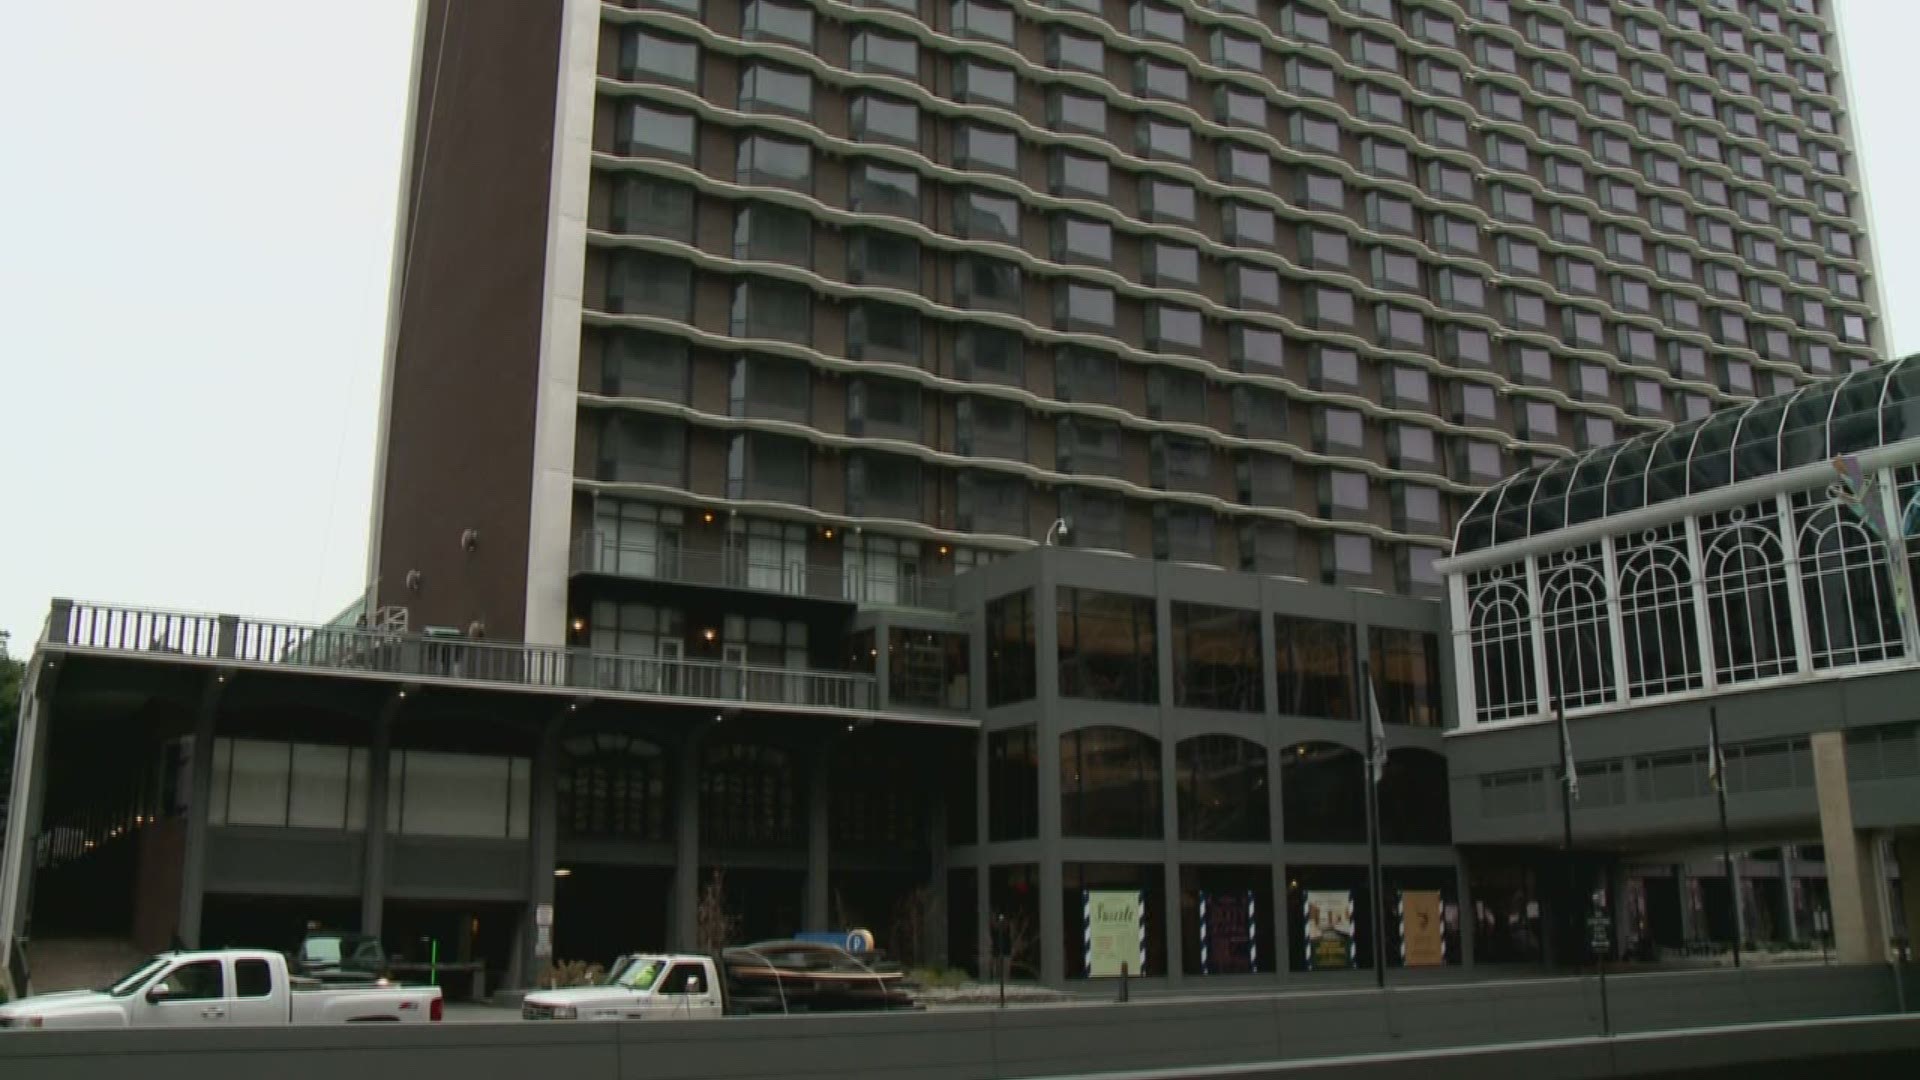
<point x="878" y="331"/>
<point x="982" y="20"/>
<point x="1167" y="200"/>
<point x="770" y="388"/>
<point x="1069" y="111"/>
<point x="1069" y="51"/>
<point x="1439" y="79"/>
<point x="980" y="83"/>
<point x="770" y="309"/>
<point x="878" y="257"/>
<point x="1013" y="756"/>
<point x="1160" y="79"/>
<point x="875" y="118"/>
<point x="882" y="189"/>
<point x="1155" y="21"/>
<point x="766" y="232"/>
<point x="771" y="467"/>
<point x="1314" y="668"/>
<point x="1079" y="175"/>
<point x="765" y="160"/>
<point x="1107" y="647"/>
<point x="1083" y="306"/>
<point x="1167" y="263"/>
<point x="1323" y="248"/>
<point x="1245" y="165"/>
<point x="979" y="214"/>
<point x="648" y="131"/>
<point x="770" y="88"/>
<point x="1314" y="132"/>
<point x="1383" y="157"/>
<point x="887" y="54"/>
<point x="648" y="56"/>
<point x="1082" y="240"/>
<point x="649" y="206"/>
<point x="1254" y="287"/>
<point x="1086" y="375"/>
<point x="1325" y="191"/>
<point x="1374" y="103"/>
<point x="1392" y="267"/>
<point x="1175" y="328"/>
<point x="643" y="450"/>
<point x="1240" y="108"/>
<point x="1236" y="51"/>
<point x="976" y="146"/>
<point x="766" y="20"/>
<point x="1163" y="141"/>
<point x="1247" y="226"/>
<point x="1216" y="658"/>
<point x="640" y="283"/>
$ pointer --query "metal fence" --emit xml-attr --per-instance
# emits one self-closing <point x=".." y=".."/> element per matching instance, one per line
<point x="79" y="625"/>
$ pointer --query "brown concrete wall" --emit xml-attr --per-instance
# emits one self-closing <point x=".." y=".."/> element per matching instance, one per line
<point x="460" y="442"/>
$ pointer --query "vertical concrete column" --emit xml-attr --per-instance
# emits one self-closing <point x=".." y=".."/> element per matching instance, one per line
<point x="1170" y="893"/>
<point x="1278" y="949"/>
<point x="1046" y="636"/>
<point x="1853" y="892"/>
<point x="1789" y="922"/>
<point x="543" y="839"/>
<point x="373" y="871"/>
<point x="1685" y="897"/>
<point x="1906" y="851"/>
<point x="29" y="796"/>
<point x="933" y="943"/>
<point x="193" y="861"/>
<point x="683" y="925"/>
<point x="817" y="911"/>
<point x="1469" y="921"/>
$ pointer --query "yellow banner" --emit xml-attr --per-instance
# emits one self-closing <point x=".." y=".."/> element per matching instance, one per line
<point x="1422" y="932"/>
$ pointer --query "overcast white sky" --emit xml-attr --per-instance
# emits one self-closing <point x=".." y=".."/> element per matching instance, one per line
<point x="196" y="219"/>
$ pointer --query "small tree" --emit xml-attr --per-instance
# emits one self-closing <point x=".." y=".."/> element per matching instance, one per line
<point x="714" y="925"/>
<point x="911" y="917"/>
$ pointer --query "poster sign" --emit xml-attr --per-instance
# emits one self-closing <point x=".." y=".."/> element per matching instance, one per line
<point x="1229" y="941"/>
<point x="1329" y="929"/>
<point x="1423" y="940"/>
<point x="1115" y="931"/>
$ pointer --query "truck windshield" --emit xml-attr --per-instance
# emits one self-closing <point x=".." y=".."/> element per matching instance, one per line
<point x="132" y="980"/>
<point x="639" y="974"/>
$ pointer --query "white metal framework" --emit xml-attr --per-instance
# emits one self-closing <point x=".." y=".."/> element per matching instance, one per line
<point x="1726" y="552"/>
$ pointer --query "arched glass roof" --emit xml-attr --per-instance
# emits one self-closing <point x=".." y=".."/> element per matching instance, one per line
<point x="1842" y="415"/>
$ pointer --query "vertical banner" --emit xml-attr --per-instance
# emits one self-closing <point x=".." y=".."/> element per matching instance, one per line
<point x="1423" y="939"/>
<point x="1329" y="929"/>
<point x="1114" y="925"/>
<point x="1229" y="941"/>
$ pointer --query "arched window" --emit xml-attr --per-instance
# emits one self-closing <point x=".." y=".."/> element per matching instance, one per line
<point x="1851" y="617"/>
<point x="1746" y="579"/>
<point x="748" y="797"/>
<point x="1110" y="784"/>
<point x="1323" y="787"/>
<point x="1499" y="633"/>
<point x="615" y="786"/>
<point x="1573" y="601"/>
<point x="1415" y="807"/>
<point x="1222" y="784"/>
<point x="1656" y="612"/>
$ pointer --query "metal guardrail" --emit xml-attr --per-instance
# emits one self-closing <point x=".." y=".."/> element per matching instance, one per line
<point x="79" y="625"/>
<point x="734" y="567"/>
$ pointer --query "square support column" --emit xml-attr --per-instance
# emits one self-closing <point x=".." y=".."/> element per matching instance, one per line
<point x="373" y="871"/>
<point x="683" y="930"/>
<point x="193" y="860"/>
<point x="543" y="828"/>
<point x="816" y="912"/>
<point x="1854" y="891"/>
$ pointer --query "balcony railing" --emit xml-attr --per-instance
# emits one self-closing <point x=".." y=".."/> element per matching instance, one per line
<point x="230" y="638"/>
<point x="733" y="567"/>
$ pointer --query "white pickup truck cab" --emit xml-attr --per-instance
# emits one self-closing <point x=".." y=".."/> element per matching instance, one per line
<point x="639" y="987"/>
<point x="222" y="987"/>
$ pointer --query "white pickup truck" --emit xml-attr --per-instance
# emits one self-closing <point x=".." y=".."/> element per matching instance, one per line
<point x="222" y="987"/>
<point x="636" y="988"/>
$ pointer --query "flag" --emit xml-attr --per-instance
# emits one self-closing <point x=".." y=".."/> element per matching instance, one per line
<point x="1566" y="759"/>
<point x="1377" y="734"/>
<point x="1714" y="762"/>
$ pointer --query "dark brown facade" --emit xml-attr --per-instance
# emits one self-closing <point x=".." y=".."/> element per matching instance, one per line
<point x="460" y="405"/>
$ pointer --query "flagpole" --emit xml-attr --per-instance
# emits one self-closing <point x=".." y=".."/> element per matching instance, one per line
<point x="1569" y="784"/>
<point x="1373" y="833"/>
<point x="1715" y="768"/>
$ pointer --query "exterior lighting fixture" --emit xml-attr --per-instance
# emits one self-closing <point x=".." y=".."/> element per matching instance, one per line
<point x="707" y="517"/>
<point x="708" y="634"/>
<point x="579" y="625"/>
<point x="561" y="871"/>
<point x="828" y="533"/>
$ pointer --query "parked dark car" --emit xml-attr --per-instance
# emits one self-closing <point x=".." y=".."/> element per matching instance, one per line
<point x="339" y="957"/>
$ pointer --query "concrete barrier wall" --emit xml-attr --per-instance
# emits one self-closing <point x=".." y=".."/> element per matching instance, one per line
<point x="987" y="1044"/>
